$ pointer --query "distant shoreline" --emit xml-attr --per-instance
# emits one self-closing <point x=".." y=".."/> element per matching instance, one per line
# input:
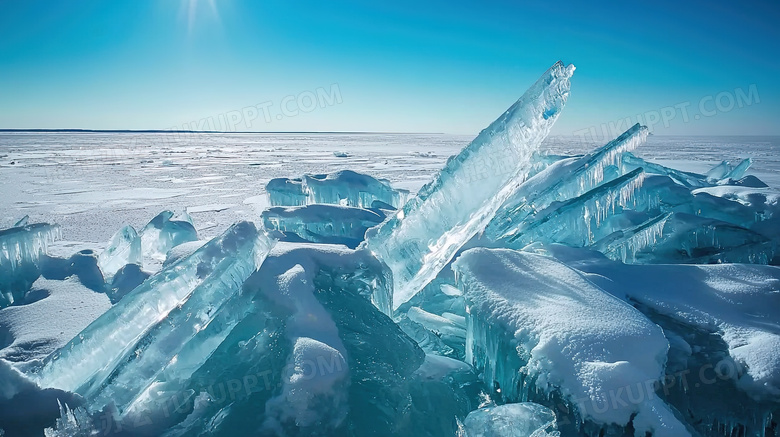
<point x="168" y="131"/>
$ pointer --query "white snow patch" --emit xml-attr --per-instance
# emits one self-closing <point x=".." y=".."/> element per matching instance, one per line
<point x="575" y="337"/>
<point x="739" y="301"/>
<point x="33" y="331"/>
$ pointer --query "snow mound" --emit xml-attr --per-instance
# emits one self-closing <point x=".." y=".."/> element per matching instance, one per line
<point x="538" y="329"/>
<point x="61" y="310"/>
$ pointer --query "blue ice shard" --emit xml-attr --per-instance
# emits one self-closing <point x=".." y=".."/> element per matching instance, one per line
<point x="718" y="172"/>
<point x="350" y="188"/>
<point x="123" y="248"/>
<point x="321" y="223"/>
<point x="164" y="232"/>
<point x="301" y="350"/>
<point x="739" y="170"/>
<point x="182" y="342"/>
<point x="723" y="172"/>
<point x="624" y="244"/>
<point x="287" y="192"/>
<point x="578" y="221"/>
<point x="214" y="272"/>
<point x="562" y="181"/>
<point x="427" y="339"/>
<point x="524" y="419"/>
<point x="346" y="187"/>
<point x="434" y="333"/>
<point x="684" y="178"/>
<point x="25" y="244"/>
<point x="427" y="232"/>
<point x="21" y="248"/>
<point x="22" y="221"/>
<point x="72" y="423"/>
<point x="687" y="238"/>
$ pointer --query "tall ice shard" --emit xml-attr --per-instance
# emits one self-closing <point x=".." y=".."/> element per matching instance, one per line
<point x="461" y="199"/>
<point x="83" y="365"/>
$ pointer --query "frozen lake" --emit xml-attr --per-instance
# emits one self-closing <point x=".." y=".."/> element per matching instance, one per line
<point x="93" y="183"/>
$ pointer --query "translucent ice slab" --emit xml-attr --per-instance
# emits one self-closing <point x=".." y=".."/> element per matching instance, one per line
<point x="563" y="180"/>
<point x="25" y="244"/>
<point x="21" y="248"/>
<point x="427" y="232"/>
<point x="83" y="365"/>
<point x="346" y="187"/>
<point x="164" y="232"/>
<point x="320" y="223"/>
<point x="524" y="419"/>
<point x="123" y="248"/>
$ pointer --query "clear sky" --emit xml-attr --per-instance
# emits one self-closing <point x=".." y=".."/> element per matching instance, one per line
<point x="397" y="66"/>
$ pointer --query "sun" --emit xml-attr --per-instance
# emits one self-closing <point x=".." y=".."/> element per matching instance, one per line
<point x="191" y="8"/>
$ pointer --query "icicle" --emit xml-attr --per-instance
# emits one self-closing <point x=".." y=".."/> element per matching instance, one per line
<point x="633" y="240"/>
<point x="71" y="423"/>
<point x="582" y="175"/>
<point x="575" y="221"/>
<point x="26" y="244"/>
<point x="627" y="142"/>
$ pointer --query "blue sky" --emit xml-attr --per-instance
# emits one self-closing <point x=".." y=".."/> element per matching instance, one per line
<point x="401" y="66"/>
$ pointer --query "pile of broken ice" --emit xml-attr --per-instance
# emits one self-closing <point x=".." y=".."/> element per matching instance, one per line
<point x="517" y="294"/>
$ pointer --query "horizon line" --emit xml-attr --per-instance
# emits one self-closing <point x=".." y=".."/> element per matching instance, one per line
<point x="172" y="131"/>
<point x="169" y="131"/>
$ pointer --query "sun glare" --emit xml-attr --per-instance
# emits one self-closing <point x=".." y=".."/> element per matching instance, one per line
<point x="193" y="6"/>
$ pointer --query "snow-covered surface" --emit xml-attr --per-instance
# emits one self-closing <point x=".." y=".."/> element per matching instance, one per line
<point x="213" y="172"/>
<point x="572" y="336"/>
<point x="287" y="279"/>
<point x="758" y="199"/>
<point x="80" y="180"/>
<point x="59" y="310"/>
<point x="312" y="257"/>
<point x="738" y="302"/>
<point x="76" y="200"/>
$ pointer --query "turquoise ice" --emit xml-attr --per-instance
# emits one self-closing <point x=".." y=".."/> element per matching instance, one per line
<point x="426" y="233"/>
<point x="123" y="248"/>
<point x="21" y="248"/>
<point x="346" y="188"/>
<point x="220" y="267"/>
